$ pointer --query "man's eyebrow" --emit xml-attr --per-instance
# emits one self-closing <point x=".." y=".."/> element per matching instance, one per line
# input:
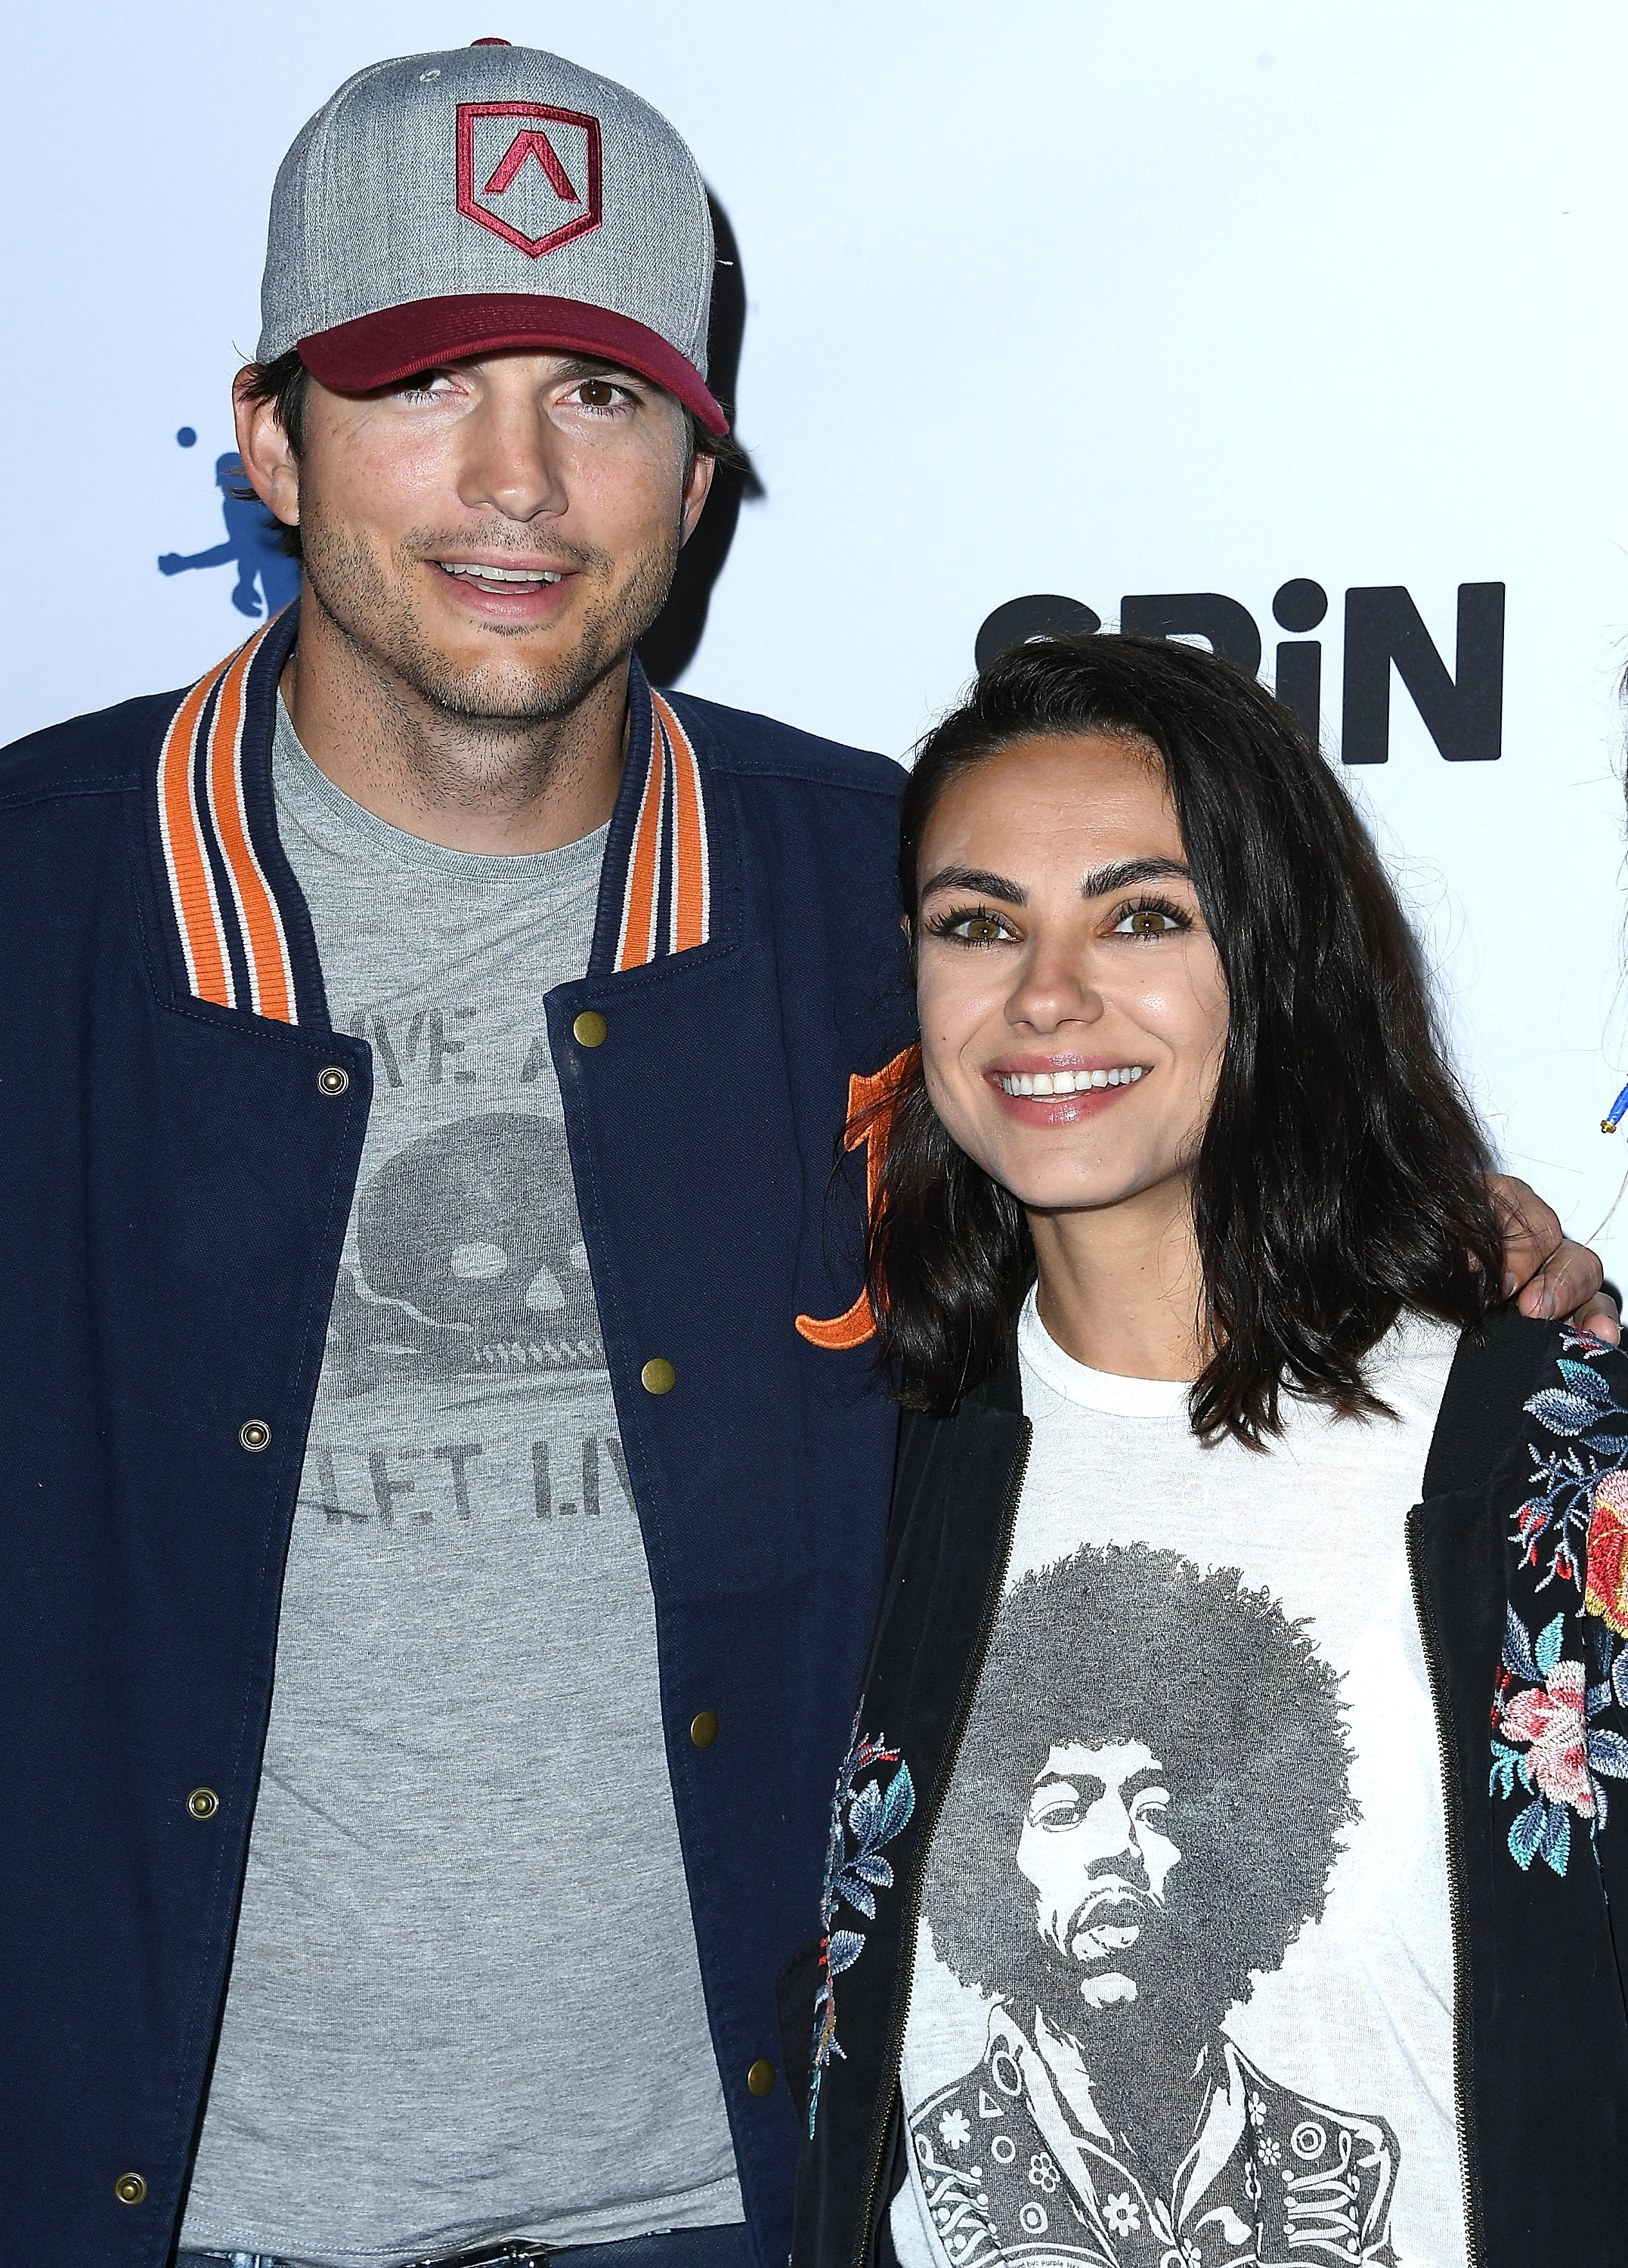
<point x="597" y="367"/>
<point x="1128" y="874"/>
<point x="979" y="882"/>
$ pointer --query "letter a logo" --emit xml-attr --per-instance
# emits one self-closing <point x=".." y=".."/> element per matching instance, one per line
<point x="506" y="149"/>
<point x="532" y="143"/>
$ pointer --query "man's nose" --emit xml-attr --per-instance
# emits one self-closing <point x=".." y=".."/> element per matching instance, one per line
<point x="510" y="462"/>
<point x="1109" y="1832"/>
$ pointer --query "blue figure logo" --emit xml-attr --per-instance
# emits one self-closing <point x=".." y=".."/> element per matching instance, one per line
<point x="252" y="543"/>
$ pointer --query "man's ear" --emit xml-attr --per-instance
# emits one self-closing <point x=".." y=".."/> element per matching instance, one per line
<point x="697" y="486"/>
<point x="271" y="467"/>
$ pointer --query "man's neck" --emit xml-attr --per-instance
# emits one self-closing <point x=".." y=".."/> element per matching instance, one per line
<point x="490" y="785"/>
<point x="1106" y="2088"/>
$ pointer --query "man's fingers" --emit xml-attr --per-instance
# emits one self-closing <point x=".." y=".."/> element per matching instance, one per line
<point x="1568" y="1283"/>
<point x="1533" y="1243"/>
<point x="1600" y="1316"/>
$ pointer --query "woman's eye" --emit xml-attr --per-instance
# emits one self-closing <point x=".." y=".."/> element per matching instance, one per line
<point x="1148" y="921"/>
<point x="977" y="927"/>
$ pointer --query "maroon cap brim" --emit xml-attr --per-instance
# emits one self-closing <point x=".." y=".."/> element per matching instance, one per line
<point x="377" y="349"/>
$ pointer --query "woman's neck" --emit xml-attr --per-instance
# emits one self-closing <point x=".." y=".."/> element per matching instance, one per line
<point x="1121" y="1287"/>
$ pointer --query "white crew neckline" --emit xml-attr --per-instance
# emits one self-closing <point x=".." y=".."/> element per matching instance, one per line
<point x="1094" y="1389"/>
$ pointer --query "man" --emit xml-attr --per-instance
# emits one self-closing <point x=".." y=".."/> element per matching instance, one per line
<point x="447" y="1473"/>
<point x="1134" y="1834"/>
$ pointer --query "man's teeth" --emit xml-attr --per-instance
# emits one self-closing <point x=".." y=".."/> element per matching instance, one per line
<point x="1068" y="1082"/>
<point x="502" y="574"/>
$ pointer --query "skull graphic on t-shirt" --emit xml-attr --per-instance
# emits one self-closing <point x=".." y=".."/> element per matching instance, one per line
<point x="469" y="1261"/>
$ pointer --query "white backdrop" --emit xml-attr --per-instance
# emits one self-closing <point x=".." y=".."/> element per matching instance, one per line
<point x="1072" y="298"/>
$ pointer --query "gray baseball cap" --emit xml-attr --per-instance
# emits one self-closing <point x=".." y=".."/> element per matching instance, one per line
<point x="444" y="206"/>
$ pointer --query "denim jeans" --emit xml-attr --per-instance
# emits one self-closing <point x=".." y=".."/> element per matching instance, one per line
<point x="727" y="2246"/>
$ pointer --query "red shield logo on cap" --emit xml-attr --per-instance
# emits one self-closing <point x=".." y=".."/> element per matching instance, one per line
<point x="520" y="164"/>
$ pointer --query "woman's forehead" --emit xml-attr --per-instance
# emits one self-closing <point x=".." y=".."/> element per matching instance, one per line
<point x="1084" y="798"/>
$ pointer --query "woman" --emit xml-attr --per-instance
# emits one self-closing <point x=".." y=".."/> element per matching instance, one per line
<point x="1219" y="1872"/>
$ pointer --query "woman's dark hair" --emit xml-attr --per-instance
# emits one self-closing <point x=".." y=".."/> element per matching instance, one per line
<point x="285" y="382"/>
<point x="1340" y="1178"/>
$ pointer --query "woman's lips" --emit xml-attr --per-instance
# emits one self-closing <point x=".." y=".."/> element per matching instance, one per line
<point x="1061" y="1094"/>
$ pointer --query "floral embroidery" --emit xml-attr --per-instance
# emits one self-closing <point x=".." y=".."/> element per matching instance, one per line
<point x="1571" y="1533"/>
<point x="862" y="1819"/>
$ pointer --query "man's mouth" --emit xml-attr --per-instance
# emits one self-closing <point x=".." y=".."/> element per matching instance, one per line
<point x="1104" y="1938"/>
<point x="1109" y="1920"/>
<point x="500" y="579"/>
<point x="1068" y="1082"/>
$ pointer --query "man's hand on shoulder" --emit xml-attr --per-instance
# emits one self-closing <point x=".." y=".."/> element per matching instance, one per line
<point x="1553" y="1276"/>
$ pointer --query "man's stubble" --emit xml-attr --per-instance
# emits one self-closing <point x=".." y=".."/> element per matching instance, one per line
<point x="496" y="728"/>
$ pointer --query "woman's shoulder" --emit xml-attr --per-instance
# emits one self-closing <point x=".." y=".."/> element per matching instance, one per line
<point x="1521" y="1385"/>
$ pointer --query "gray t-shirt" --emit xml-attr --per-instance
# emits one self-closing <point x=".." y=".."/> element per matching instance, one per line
<point x="464" y="1999"/>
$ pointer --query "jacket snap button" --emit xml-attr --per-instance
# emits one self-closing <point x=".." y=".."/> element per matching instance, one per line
<point x="704" y="1729"/>
<point x="131" y="2189"/>
<point x="256" y="1434"/>
<point x="203" y="1803"/>
<point x="590" y="1029"/>
<point x="760" y="2078"/>
<point x="333" y="1079"/>
<point x="658" y="1375"/>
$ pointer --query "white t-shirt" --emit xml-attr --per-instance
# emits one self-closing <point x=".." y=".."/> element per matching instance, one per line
<point x="1183" y="1996"/>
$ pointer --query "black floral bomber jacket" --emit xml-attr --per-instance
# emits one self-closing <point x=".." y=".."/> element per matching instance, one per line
<point x="1519" y="1554"/>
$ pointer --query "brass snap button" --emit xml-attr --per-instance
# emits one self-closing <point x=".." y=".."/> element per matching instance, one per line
<point x="130" y="2189"/>
<point x="333" y="1078"/>
<point x="203" y="1803"/>
<point x="760" y="2078"/>
<point x="256" y="1434"/>
<point x="658" y="1375"/>
<point x="590" y="1029"/>
<point x="704" y="1729"/>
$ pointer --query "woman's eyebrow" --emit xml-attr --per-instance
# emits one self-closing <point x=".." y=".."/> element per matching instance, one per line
<point x="1127" y="873"/>
<point x="982" y="883"/>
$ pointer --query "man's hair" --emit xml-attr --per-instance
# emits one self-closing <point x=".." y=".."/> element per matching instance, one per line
<point x="1244" y="1714"/>
<point x="1340" y="1178"/>
<point x="286" y="383"/>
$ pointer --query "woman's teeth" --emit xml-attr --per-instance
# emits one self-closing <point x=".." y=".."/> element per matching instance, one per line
<point x="1068" y="1082"/>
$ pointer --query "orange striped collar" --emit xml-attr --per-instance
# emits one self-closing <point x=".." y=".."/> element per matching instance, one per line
<point x="241" y="928"/>
<point x="233" y="936"/>
<point x="666" y="902"/>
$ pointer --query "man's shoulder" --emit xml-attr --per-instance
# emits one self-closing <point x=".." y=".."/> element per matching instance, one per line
<point x="102" y="752"/>
<point x="740" y="742"/>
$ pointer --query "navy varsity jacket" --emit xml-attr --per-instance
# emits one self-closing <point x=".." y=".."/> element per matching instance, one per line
<point x="182" y="1128"/>
<point x="1519" y="1557"/>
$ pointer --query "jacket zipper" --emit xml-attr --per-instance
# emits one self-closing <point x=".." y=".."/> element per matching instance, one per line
<point x="1456" y="1914"/>
<point x="908" y="1966"/>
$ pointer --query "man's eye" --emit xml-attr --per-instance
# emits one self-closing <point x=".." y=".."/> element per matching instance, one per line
<point x="1057" y="1815"/>
<point x="598" y="393"/>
